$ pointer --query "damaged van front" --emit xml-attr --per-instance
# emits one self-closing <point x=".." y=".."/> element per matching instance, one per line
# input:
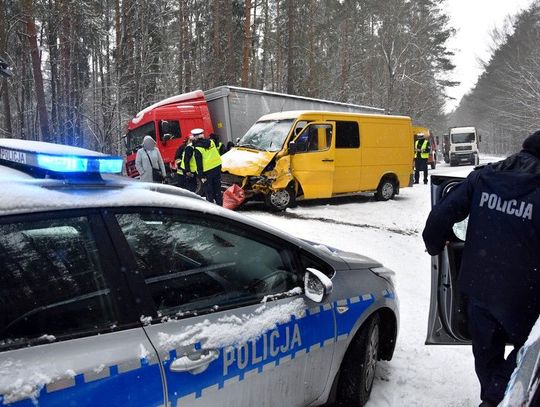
<point x="260" y="163"/>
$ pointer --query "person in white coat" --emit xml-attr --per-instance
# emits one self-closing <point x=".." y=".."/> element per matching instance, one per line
<point x="149" y="159"/>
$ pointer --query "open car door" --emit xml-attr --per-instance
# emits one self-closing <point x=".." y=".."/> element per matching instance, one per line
<point x="448" y="322"/>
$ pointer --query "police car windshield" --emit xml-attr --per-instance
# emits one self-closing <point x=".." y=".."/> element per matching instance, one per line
<point x="267" y="135"/>
<point x="463" y="138"/>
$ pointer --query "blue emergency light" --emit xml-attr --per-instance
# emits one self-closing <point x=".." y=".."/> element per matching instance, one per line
<point x="58" y="163"/>
<point x="42" y="157"/>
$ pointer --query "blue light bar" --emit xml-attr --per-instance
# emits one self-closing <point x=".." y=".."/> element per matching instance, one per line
<point x="60" y="163"/>
<point x="70" y="163"/>
<point x="110" y="165"/>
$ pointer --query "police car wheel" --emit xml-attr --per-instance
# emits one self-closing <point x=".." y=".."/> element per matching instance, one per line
<point x="280" y="200"/>
<point x="359" y="365"/>
<point x="386" y="190"/>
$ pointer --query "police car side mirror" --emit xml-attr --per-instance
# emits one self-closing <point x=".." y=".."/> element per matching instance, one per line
<point x="292" y="148"/>
<point x="317" y="286"/>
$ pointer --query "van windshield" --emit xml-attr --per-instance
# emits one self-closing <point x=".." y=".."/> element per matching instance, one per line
<point x="267" y="135"/>
<point x="463" y="138"/>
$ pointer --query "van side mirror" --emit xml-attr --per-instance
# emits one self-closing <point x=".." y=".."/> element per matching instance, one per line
<point x="317" y="286"/>
<point x="292" y="148"/>
<point x="479" y="138"/>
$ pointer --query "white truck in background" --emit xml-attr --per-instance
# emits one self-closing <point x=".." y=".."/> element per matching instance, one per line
<point x="460" y="146"/>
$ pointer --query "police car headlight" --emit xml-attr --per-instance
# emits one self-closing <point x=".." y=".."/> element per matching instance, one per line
<point x="385" y="273"/>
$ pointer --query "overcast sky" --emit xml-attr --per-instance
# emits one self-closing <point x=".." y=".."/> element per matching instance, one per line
<point x="474" y="21"/>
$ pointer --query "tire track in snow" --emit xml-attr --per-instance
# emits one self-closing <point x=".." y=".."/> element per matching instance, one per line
<point x="404" y="232"/>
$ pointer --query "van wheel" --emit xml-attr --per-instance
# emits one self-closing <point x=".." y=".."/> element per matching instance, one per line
<point x="278" y="201"/>
<point x="386" y="189"/>
<point x="359" y="364"/>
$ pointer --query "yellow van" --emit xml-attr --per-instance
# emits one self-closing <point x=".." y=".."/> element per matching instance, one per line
<point x="311" y="154"/>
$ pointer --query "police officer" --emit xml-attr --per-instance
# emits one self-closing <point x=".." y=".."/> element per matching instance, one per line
<point x="422" y="149"/>
<point x="187" y="164"/>
<point x="500" y="267"/>
<point x="208" y="163"/>
<point x="219" y="145"/>
<point x="180" y="166"/>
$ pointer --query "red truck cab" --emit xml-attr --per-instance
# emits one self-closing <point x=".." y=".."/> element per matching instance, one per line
<point x="169" y="122"/>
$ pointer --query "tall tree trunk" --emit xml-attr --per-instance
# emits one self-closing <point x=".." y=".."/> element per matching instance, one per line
<point x="246" y="47"/>
<point x="265" y="46"/>
<point x="4" y="87"/>
<point x="290" y="48"/>
<point x="36" y="68"/>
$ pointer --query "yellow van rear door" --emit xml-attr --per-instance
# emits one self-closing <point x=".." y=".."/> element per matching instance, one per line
<point x="313" y="162"/>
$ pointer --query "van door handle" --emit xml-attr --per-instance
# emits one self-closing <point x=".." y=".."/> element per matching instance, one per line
<point x="194" y="363"/>
<point x="327" y="160"/>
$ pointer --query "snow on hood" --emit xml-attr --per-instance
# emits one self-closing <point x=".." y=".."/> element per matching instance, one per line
<point x="232" y="330"/>
<point x="239" y="161"/>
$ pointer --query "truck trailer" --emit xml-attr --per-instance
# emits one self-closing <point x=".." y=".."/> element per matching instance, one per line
<point x="228" y="111"/>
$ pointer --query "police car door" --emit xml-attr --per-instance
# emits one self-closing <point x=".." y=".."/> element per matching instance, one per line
<point x="447" y="324"/>
<point x="231" y="326"/>
<point x="68" y="333"/>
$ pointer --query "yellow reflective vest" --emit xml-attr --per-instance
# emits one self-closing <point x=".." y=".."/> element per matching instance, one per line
<point x="181" y="164"/>
<point x="210" y="157"/>
<point x="424" y="153"/>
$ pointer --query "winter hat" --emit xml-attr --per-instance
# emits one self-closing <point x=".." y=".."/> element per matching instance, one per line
<point x="532" y="144"/>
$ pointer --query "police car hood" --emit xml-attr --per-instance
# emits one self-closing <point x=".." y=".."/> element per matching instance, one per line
<point x="514" y="177"/>
<point x="353" y="260"/>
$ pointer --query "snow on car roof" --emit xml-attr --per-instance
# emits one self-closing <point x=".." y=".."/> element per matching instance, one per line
<point x="47" y="148"/>
<point x="293" y="114"/>
<point x="33" y="195"/>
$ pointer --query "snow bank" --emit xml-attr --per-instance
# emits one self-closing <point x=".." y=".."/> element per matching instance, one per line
<point x="231" y="330"/>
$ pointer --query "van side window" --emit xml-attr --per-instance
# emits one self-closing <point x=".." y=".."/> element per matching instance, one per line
<point x="347" y="135"/>
<point x="52" y="282"/>
<point x="315" y="137"/>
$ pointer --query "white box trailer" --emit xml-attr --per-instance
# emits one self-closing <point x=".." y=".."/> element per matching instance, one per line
<point x="234" y="110"/>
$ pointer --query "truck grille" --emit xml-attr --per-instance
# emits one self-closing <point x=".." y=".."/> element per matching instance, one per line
<point x="463" y="148"/>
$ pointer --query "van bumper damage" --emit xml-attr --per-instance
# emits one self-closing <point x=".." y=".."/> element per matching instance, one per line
<point x="258" y="186"/>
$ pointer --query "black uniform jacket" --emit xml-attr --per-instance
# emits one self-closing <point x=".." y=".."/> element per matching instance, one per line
<point x="501" y="260"/>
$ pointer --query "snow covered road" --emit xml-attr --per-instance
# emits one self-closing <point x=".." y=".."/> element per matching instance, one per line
<point x="390" y="232"/>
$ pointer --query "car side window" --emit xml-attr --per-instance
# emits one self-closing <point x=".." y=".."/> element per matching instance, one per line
<point x="52" y="282"/>
<point x="191" y="264"/>
<point x="347" y="134"/>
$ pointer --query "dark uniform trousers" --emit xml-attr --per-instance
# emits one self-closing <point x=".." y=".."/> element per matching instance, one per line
<point x="212" y="187"/>
<point x="490" y="333"/>
<point x="420" y="164"/>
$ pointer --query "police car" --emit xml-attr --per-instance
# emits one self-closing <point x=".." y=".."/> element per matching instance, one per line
<point x="117" y="292"/>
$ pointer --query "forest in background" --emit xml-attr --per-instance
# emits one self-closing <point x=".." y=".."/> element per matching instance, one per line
<point x="84" y="68"/>
<point x="505" y="103"/>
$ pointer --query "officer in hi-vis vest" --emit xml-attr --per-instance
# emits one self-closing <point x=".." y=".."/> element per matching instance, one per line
<point x="208" y="165"/>
<point x="186" y="168"/>
<point x="422" y="148"/>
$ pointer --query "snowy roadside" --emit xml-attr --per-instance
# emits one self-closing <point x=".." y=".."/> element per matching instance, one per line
<point x="390" y="232"/>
